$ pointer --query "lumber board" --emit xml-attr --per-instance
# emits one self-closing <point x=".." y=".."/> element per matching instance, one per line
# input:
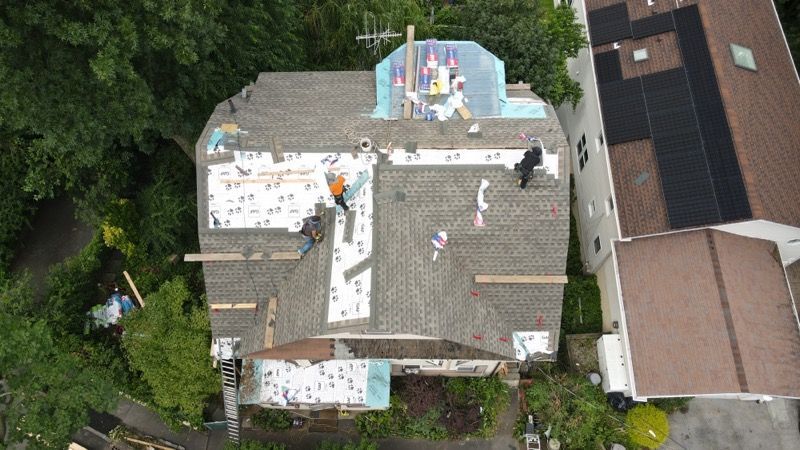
<point x="150" y="444"/>
<point x="233" y="305"/>
<point x="269" y="334"/>
<point x="209" y="257"/>
<point x="229" y="128"/>
<point x="518" y="87"/>
<point x="521" y="279"/>
<point x="407" y="107"/>
<point x="284" y="256"/>
<point x="133" y="288"/>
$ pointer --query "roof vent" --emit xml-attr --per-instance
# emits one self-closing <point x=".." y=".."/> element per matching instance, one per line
<point x="640" y="55"/>
<point x="615" y="45"/>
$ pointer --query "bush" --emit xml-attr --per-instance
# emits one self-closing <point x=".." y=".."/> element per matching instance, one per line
<point x="16" y="205"/>
<point x="254" y="445"/>
<point x="272" y="419"/>
<point x="586" y="317"/>
<point x="647" y="426"/>
<point x="670" y="405"/>
<point x="582" y="420"/>
<point x="360" y="445"/>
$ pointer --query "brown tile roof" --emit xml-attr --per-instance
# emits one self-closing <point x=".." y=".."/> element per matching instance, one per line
<point x="662" y="51"/>
<point x="639" y="200"/>
<point x="708" y="312"/>
<point x="763" y="107"/>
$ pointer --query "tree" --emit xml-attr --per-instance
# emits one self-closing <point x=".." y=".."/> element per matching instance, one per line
<point x="167" y="341"/>
<point x="647" y="426"/>
<point x="89" y="85"/>
<point x="789" y="13"/>
<point x="534" y="45"/>
<point x="51" y="392"/>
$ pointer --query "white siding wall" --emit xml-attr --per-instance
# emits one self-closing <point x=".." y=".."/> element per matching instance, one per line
<point x="593" y="182"/>
<point x="787" y="238"/>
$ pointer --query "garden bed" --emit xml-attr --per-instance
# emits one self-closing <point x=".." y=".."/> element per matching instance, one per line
<point x="438" y="408"/>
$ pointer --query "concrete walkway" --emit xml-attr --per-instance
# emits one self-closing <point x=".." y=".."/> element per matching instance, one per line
<point x="734" y="424"/>
<point x="136" y="416"/>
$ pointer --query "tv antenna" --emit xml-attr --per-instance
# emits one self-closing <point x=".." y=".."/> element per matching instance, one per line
<point x="379" y="35"/>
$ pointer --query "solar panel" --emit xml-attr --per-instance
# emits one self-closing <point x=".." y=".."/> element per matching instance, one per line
<point x="607" y="66"/>
<point x="624" y="112"/>
<point x="609" y="24"/>
<point x="650" y="26"/>
<point x="714" y="129"/>
<point x="685" y="179"/>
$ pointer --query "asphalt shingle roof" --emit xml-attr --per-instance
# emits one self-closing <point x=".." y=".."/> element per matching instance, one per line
<point x="526" y="231"/>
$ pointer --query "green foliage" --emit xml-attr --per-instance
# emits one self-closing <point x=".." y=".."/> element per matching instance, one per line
<point x="463" y="394"/>
<point x="71" y="287"/>
<point x="574" y="263"/>
<point x="272" y="419"/>
<point x="360" y="445"/>
<point x="582" y="300"/>
<point x="51" y="391"/>
<point x="16" y="295"/>
<point x="647" y="426"/>
<point x="789" y="13"/>
<point x="119" y="227"/>
<point x="534" y="44"/>
<point x="164" y="213"/>
<point x="582" y="420"/>
<point x="168" y="343"/>
<point x="16" y="205"/>
<point x="672" y="404"/>
<point x="254" y="445"/>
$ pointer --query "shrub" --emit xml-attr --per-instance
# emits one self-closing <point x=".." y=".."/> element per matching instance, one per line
<point x="670" y="405"/>
<point x="16" y="205"/>
<point x="578" y="412"/>
<point x="360" y="445"/>
<point x="582" y="312"/>
<point x="272" y="419"/>
<point x="647" y="426"/>
<point x="254" y="445"/>
<point x="421" y="394"/>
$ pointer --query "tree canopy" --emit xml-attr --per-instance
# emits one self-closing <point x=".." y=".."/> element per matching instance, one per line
<point x="167" y="341"/>
<point x="51" y="392"/>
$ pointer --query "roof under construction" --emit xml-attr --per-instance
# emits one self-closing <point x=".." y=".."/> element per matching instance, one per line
<point x="374" y="271"/>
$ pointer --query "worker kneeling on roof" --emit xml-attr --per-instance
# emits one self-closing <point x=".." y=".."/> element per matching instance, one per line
<point x="337" y="187"/>
<point x="311" y="231"/>
<point x="530" y="159"/>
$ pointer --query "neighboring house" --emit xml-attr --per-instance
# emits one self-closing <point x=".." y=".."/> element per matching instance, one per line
<point x="686" y="163"/>
<point x="370" y="300"/>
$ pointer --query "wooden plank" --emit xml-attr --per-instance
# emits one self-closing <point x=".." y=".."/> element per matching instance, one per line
<point x="209" y="257"/>
<point x="407" y="107"/>
<point x="518" y="87"/>
<point x="522" y="279"/>
<point x="233" y="305"/>
<point x="229" y="128"/>
<point x="277" y="150"/>
<point x="149" y="444"/>
<point x="133" y="288"/>
<point x="264" y="180"/>
<point x="284" y="256"/>
<point x="269" y="334"/>
<point x="464" y="112"/>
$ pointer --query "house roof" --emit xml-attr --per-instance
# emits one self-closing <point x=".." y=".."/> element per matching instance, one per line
<point x="719" y="157"/>
<point x="708" y="312"/>
<point x="402" y="205"/>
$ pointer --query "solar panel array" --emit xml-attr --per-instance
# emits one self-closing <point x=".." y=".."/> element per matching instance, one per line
<point x="650" y="26"/>
<point x="717" y="139"/>
<point x="680" y="109"/>
<point x="609" y="24"/>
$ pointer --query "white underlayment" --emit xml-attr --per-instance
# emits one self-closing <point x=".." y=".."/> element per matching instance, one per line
<point x="507" y="157"/>
<point x="335" y="381"/>
<point x="255" y="192"/>
<point x="530" y="342"/>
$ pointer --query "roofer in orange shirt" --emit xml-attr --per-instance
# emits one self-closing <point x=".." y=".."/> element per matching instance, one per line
<point x="337" y="187"/>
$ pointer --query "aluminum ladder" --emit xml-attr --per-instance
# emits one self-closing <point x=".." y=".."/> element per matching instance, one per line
<point x="230" y="397"/>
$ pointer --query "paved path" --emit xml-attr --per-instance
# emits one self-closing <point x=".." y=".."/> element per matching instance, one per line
<point x="142" y="419"/>
<point x="734" y="424"/>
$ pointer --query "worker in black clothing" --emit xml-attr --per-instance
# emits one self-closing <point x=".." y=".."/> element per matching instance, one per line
<point x="530" y="159"/>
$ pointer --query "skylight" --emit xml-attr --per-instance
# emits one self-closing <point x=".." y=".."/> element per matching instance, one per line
<point x="743" y="57"/>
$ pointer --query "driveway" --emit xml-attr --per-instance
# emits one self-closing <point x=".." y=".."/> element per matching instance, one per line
<point x="734" y="424"/>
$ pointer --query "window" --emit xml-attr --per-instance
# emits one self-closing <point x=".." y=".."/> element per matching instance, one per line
<point x="583" y="155"/>
<point x="743" y="57"/>
<point x="597" y="245"/>
<point x="609" y="205"/>
<point x="591" y="207"/>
